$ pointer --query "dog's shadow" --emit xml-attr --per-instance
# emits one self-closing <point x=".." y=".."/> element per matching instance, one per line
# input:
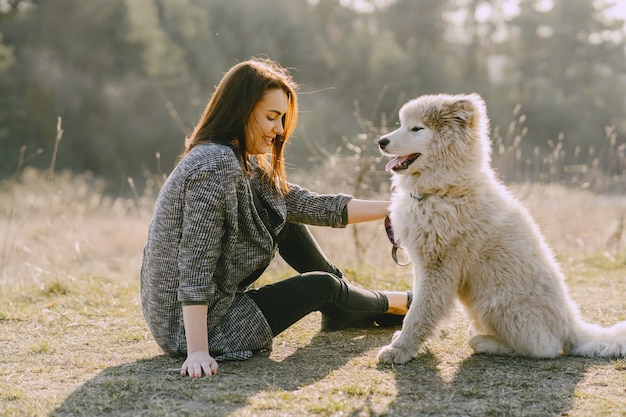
<point x="489" y="385"/>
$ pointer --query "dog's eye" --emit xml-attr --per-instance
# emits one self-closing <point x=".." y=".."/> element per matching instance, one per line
<point x="416" y="129"/>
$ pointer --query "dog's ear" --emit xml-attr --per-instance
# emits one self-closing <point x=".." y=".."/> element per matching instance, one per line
<point x="468" y="108"/>
<point x="463" y="109"/>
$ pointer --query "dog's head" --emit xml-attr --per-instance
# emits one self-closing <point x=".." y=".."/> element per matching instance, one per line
<point x="442" y="133"/>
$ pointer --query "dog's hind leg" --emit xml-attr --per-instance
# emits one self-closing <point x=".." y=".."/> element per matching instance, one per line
<point x="482" y="342"/>
<point x="489" y="344"/>
<point x="548" y="348"/>
<point x="520" y="339"/>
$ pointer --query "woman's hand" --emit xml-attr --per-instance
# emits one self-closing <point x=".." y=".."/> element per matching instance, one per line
<point x="198" y="358"/>
<point x="198" y="362"/>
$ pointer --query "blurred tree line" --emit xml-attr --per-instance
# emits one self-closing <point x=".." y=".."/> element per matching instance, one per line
<point x="129" y="78"/>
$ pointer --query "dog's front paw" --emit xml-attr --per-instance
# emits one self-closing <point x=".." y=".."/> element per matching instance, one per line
<point x="392" y="354"/>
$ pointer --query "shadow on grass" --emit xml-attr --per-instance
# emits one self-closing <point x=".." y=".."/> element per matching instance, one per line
<point x="486" y="385"/>
<point x="151" y="387"/>
<point x="481" y="385"/>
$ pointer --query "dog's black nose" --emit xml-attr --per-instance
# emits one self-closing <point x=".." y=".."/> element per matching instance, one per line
<point x="383" y="142"/>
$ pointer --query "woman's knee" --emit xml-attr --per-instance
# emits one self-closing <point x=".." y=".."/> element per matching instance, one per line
<point x="325" y="281"/>
<point x="324" y="286"/>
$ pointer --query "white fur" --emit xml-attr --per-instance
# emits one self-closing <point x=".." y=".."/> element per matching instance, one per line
<point x="470" y="239"/>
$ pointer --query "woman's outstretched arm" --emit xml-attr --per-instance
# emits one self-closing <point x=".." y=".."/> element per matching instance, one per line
<point x="366" y="210"/>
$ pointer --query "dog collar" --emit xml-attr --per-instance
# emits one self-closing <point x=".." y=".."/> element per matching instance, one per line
<point x="418" y="197"/>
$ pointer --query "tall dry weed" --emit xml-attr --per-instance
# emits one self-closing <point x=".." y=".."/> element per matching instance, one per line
<point x="64" y="225"/>
<point x="67" y="228"/>
<point x="601" y="168"/>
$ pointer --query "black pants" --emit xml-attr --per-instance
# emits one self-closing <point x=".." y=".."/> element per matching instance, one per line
<point x="319" y="287"/>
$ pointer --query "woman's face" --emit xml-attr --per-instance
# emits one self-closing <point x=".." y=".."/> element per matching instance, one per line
<point x="266" y="122"/>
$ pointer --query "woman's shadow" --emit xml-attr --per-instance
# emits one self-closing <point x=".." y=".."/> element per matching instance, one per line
<point x="153" y="386"/>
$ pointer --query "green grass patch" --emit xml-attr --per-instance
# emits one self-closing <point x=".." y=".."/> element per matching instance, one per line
<point x="86" y="351"/>
<point x="73" y="341"/>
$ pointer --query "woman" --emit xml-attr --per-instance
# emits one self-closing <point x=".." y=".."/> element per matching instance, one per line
<point x="219" y="219"/>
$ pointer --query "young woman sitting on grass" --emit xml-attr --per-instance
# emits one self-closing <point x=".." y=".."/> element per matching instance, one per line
<point x="220" y="218"/>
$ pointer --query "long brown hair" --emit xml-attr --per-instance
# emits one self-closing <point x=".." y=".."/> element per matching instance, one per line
<point x="226" y="114"/>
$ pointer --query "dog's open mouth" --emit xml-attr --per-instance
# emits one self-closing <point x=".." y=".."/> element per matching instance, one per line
<point x="400" y="163"/>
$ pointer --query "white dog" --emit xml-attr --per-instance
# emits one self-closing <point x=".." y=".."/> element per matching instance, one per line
<point x="469" y="238"/>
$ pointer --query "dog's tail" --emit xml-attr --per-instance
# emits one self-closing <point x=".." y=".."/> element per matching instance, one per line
<point x="595" y="341"/>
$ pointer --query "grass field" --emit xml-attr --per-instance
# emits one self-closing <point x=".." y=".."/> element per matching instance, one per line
<point x="73" y="341"/>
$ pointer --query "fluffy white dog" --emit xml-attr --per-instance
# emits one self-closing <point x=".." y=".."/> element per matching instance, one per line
<point x="469" y="238"/>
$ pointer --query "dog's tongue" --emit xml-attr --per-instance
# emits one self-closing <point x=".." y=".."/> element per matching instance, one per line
<point x="398" y="160"/>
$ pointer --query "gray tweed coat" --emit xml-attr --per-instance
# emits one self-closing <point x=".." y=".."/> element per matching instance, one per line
<point x="206" y="237"/>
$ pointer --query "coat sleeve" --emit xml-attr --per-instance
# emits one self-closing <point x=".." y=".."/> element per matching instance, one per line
<point x="304" y="206"/>
<point x="202" y="233"/>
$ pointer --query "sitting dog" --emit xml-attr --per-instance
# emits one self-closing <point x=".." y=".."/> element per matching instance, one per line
<point x="469" y="239"/>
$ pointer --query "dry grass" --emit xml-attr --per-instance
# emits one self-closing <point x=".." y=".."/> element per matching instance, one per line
<point x="73" y="342"/>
